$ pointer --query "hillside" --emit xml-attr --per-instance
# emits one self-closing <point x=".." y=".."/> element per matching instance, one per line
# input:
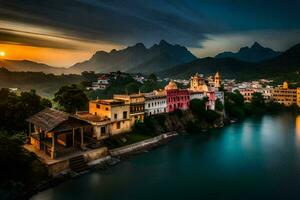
<point x="137" y="58"/>
<point x="255" y="53"/>
<point x="30" y="66"/>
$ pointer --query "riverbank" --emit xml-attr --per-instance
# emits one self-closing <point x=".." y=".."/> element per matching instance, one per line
<point x="103" y="163"/>
<point x="235" y="162"/>
<point x="156" y="130"/>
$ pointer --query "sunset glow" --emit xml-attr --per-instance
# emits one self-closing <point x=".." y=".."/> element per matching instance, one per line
<point x="2" y="53"/>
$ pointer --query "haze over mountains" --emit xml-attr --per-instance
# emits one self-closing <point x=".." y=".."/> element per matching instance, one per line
<point x="169" y="60"/>
<point x="255" y="53"/>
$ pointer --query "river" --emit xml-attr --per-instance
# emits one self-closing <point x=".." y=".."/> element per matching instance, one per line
<point x="253" y="159"/>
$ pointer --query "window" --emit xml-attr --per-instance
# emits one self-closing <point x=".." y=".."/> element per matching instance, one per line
<point x="98" y="106"/>
<point x="96" y="113"/>
<point x="106" y="108"/>
<point x="116" y="116"/>
<point x="103" y="130"/>
<point x="118" y="125"/>
<point x="125" y="115"/>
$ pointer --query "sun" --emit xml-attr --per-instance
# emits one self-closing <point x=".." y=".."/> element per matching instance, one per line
<point x="2" y="53"/>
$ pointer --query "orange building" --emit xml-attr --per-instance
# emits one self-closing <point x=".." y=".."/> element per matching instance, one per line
<point x="116" y="110"/>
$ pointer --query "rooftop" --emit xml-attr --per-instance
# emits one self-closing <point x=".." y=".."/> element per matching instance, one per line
<point x="86" y="116"/>
<point x="50" y="119"/>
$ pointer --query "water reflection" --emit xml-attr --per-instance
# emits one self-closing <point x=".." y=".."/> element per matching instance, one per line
<point x="298" y="129"/>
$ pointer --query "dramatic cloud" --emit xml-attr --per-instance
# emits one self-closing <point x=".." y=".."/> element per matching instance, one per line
<point x="193" y="23"/>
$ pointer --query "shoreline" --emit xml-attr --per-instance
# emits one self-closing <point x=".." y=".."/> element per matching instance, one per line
<point x="119" y="154"/>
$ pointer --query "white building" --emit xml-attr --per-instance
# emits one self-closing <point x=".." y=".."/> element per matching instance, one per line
<point x="197" y="95"/>
<point x="155" y="103"/>
<point x="220" y="95"/>
<point x="101" y="84"/>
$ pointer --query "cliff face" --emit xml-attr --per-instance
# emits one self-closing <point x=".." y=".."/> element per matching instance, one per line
<point x="181" y="121"/>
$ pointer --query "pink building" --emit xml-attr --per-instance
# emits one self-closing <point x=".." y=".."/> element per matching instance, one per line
<point x="210" y="105"/>
<point x="176" y="98"/>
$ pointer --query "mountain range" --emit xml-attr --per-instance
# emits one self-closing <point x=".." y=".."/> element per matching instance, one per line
<point x="168" y="60"/>
<point x="285" y="64"/>
<point x="255" y="53"/>
<point x="137" y="58"/>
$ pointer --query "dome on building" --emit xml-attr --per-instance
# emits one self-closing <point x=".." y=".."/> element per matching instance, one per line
<point x="171" y="86"/>
<point x="285" y="85"/>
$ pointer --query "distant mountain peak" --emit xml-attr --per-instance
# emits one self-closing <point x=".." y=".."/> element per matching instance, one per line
<point x="163" y="42"/>
<point x="255" y="53"/>
<point x="137" y="58"/>
<point x="256" y="45"/>
<point x="139" y="45"/>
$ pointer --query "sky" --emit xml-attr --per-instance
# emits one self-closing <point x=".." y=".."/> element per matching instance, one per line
<point x="63" y="32"/>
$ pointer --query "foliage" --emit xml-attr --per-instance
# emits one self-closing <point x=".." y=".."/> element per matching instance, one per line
<point x="197" y="106"/>
<point x="234" y="105"/>
<point x="19" y="169"/>
<point x="16" y="108"/>
<point x="211" y="116"/>
<point x="71" y="98"/>
<point x="44" y="84"/>
<point x="219" y="105"/>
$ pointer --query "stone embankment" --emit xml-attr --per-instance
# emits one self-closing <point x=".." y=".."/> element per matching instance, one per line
<point x="143" y="145"/>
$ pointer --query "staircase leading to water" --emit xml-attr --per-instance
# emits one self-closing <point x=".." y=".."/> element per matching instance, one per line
<point x="78" y="164"/>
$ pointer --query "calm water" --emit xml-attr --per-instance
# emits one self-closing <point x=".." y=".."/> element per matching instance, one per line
<point x="255" y="159"/>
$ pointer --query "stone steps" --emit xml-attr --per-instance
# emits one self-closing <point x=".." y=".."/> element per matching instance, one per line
<point x="78" y="164"/>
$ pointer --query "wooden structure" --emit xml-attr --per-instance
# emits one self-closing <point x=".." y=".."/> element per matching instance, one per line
<point x="56" y="133"/>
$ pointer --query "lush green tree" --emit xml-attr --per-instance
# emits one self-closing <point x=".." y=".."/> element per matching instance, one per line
<point x="211" y="116"/>
<point x="89" y="76"/>
<point x="152" y="77"/>
<point x="71" y="98"/>
<point x="257" y="99"/>
<point x="19" y="169"/>
<point x="219" y="105"/>
<point x="234" y="105"/>
<point x="197" y="106"/>
<point x="16" y="108"/>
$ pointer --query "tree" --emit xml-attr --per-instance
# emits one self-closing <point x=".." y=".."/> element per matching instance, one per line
<point x="71" y="98"/>
<point x="152" y="77"/>
<point x="16" y="108"/>
<point x="219" y="105"/>
<point x="197" y="106"/>
<point x="234" y="104"/>
<point x="257" y="100"/>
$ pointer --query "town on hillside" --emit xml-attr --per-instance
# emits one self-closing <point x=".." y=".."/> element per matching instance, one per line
<point x="61" y="139"/>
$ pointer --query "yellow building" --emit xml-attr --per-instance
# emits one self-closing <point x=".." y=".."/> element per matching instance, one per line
<point x="285" y="95"/>
<point x="116" y="110"/>
<point x="137" y="106"/>
<point x="197" y="83"/>
<point x="298" y="97"/>
<point x="247" y="94"/>
<point x="217" y="80"/>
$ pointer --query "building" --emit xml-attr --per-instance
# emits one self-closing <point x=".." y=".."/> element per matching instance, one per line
<point x="197" y="83"/>
<point x="247" y="94"/>
<point x="101" y="84"/>
<point x="220" y="96"/>
<point x="197" y="95"/>
<point x="116" y="110"/>
<point x="137" y="106"/>
<point x="217" y="80"/>
<point x="284" y="95"/>
<point x="210" y="105"/>
<point x="155" y="103"/>
<point x="176" y="98"/>
<point x="57" y="133"/>
<point x="100" y="128"/>
<point x="298" y="97"/>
